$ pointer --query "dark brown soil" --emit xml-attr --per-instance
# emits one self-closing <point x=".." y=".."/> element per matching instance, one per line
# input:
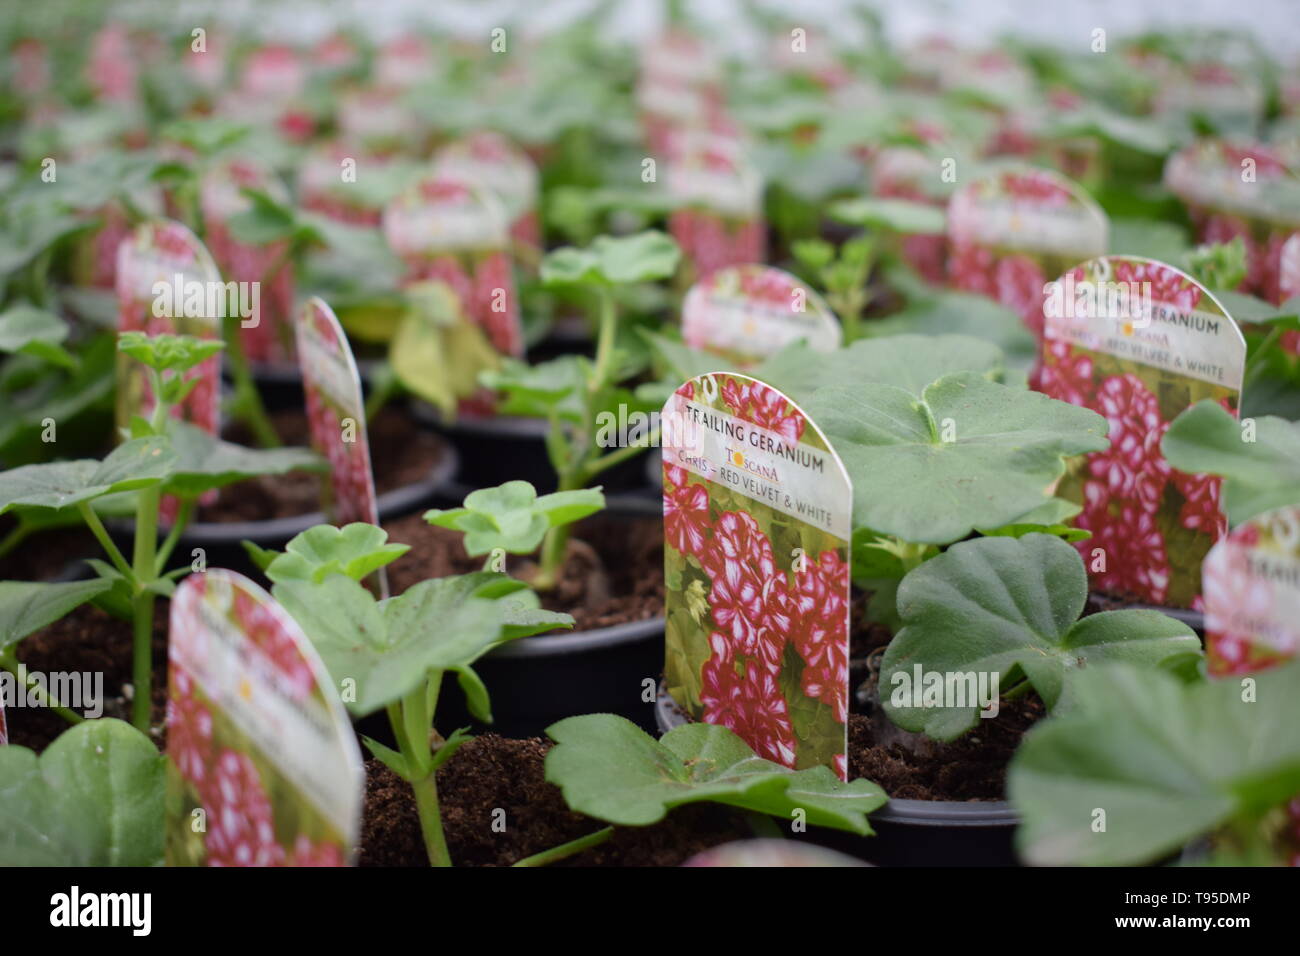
<point x="401" y="453"/>
<point x="491" y="773"/>
<point x="45" y="554"/>
<point x="614" y="572"/>
<point x="88" y="640"/>
<point x="913" y="767"/>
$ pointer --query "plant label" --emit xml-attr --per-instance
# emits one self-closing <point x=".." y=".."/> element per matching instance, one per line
<point x="1012" y="230"/>
<point x="336" y="414"/>
<point x="264" y="768"/>
<point x="679" y="86"/>
<point x="1248" y="191"/>
<point x="717" y="196"/>
<point x="746" y="313"/>
<point x="1138" y="342"/>
<point x="492" y="163"/>
<point x="450" y="231"/>
<point x="1225" y="96"/>
<point x="756" y="536"/>
<point x="4" y="728"/>
<point x="1252" y="594"/>
<point x="263" y="301"/>
<point x="376" y="120"/>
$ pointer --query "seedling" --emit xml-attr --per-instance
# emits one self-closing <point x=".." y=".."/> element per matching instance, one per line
<point x="393" y="654"/>
<point x="160" y="455"/>
<point x="512" y="519"/>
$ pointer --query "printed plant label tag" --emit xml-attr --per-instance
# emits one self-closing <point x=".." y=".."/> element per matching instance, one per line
<point x="756" y="536"/>
<point x="336" y="414"/>
<point x="1227" y="97"/>
<point x="264" y="302"/>
<point x="1014" y="229"/>
<point x="491" y="162"/>
<point x="453" y="232"/>
<point x="1138" y="342"/>
<point x="746" y="313"/>
<point x="264" y="768"/>
<point x="167" y="283"/>
<point x="4" y="728"/>
<point x="1252" y="594"/>
<point x="1246" y="190"/>
<point x="717" y="197"/>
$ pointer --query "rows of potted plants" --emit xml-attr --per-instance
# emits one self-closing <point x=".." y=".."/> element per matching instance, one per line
<point x="511" y="451"/>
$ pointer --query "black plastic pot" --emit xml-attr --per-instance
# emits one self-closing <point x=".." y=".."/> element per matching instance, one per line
<point x="536" y="681"/>
<point x="502" y="448"/>
<point x="280" y="383"/>
<point x="221" y="540"/>
<point x="912" y="832"/>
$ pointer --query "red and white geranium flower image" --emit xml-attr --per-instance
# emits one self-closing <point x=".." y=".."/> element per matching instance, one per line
<point x="241" y="830"/>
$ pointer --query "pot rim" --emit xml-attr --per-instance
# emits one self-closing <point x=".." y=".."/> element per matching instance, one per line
<point x="925" y="813"/>
<point x="559" y="643"/>
<point x="1192" y="618"/>
<point x="519" y="427"/>
<point x="391" y="504"/>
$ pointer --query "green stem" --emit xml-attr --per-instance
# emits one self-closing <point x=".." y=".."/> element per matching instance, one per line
<point x="101" y="535"/>
<point x="412" y="722"/>
<point x="246" y="404"/>
<point x="565" y="850"/>
<point x="604" y="342"/>
<point x="177" y="529"/>
<point x="604" y="462"/>
<point x="15" y="537"/>
<point x="144" y="558"/>
<point x="10" y="663"/>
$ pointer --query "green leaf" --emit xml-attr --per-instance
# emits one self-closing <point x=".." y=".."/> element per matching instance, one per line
<point x="1259" y="475"/>
<point x="512" y="517"/>
<point x="643" y="257"/>
<point x="177" y="353"/>
<point x="134" y="464"/>
<point x="612" y="770"/>
<point x="1008" y="450"/>
<point x="93" y="798"/>
<point x="538" y="391"/>
<point x="389" y="757"/>
<point x="35" y="332"/>
<point x="956" y="314"/>
<point x="909" y="362"/>
<point x="353" y="550"/>
<point x="1167" y="761"/>
<point x="995" y="605"/>
<point x="390" y="647"/>
<point x="27" y="606"/>
<point x="895" y="215"/>
<point x="204" y="461"/>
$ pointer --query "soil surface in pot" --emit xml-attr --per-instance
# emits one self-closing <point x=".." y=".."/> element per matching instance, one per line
<point x="493" y="772"/>
<point x="88" y="641"/>
<point x="913" y="767"/>
<point x="401" y="453"/>
<point x="614" y="572"/>
<point x="45" y="554"/>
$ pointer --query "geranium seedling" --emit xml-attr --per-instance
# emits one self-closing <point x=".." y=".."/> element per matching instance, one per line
<point x="757" y="521"/>
<point x="1006" y="610"/>
<point x="392" y="654"/>
<point x="354" y="550"/>
<point x="162" y="455"/>
<point x="1258" y="475"/>
<point x="513" y="519"/>
<point x="1170" y="763"/>
<point x="1138" y="341"/>
<point x="613" y="770"/>
<point x="262" y="751"/>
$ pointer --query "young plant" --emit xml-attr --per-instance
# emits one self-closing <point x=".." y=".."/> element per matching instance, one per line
<point x="842" y="275"/>
<point x="393" y="654"/>
<point x="575" y="394"/>
<point x="161" y="455"/>
<point x="1009" y="607"/>
<point x="612" y="770"/>
<point x="512" y="519"/>
<point x="1170" y="762"/>
<point x="1259" y="474"/>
